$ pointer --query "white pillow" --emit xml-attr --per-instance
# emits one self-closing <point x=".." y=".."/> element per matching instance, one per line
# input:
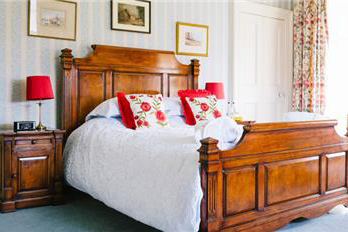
<point x="106" y="109"/>
<point x="172" y="106"/>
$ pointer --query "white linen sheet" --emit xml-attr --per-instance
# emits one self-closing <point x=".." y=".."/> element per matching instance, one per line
<point x="224" y="129"/>
<point x="151" y="175"/>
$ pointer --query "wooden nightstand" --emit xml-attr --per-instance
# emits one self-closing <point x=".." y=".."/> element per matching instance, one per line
<point x="30" y="169"/>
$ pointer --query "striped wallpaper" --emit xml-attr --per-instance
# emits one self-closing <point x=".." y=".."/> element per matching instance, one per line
<point x="22" y="55"/>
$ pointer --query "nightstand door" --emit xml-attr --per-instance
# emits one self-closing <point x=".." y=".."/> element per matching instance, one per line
<point x="32" y="171"/>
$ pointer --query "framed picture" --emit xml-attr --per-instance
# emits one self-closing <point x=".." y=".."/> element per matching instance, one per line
<point x="131" y="15"/>
<point x="192" y="39"/>
<point x="52" y="19"/>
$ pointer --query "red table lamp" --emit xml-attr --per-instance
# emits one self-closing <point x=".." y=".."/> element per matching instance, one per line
<point x="39" y="88"/>
<point x="216" y="88"/>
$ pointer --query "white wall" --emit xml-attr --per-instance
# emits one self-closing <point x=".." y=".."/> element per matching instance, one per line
<point x="22" y="55"/>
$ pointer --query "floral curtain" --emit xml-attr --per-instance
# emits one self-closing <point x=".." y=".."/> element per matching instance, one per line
<point x="310" y="42"/>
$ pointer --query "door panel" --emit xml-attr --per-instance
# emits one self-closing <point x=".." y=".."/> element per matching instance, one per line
<point x="32" y="171"/>
<point x="88" y="100"/>
<point x="292" y="179"/>
<point x="336" y="169"/>
<point x="239" y="184"/>
<point x="261" y="61"/>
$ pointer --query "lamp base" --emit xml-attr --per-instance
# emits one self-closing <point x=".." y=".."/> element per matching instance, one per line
<point x="40" y="127"/>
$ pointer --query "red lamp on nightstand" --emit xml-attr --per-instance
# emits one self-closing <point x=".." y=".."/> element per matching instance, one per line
<point x="39" y="88"/>
<point x="216" y="88"/>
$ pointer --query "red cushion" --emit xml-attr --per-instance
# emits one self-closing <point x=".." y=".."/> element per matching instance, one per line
<point x="190" y="119"/>
<point x="125" y="110"/>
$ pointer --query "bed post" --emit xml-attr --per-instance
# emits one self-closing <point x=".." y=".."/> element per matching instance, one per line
<point x="211" y="182"/>
<point x="67" y="64"/>
<point x="195" y="72"/>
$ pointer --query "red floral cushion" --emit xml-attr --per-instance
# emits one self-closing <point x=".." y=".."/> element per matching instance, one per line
<point x="148" y="110"/>
<point x="125" y="110"/>
<point x="204" y="109"/>
<point x="190" y="119"/>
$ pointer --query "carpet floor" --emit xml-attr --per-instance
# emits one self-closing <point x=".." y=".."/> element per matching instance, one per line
<point x="84" y="214"/>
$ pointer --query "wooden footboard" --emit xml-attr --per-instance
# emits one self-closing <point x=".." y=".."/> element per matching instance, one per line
<point x="278" y="172"/>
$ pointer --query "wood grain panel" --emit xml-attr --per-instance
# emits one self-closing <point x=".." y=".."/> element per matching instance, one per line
<point x="177" y="83"/>
<point x="283" y="136"/>
<point x="33" y="173"/>
<point x="240" y="189"/>
<point x="130" y="83"/>
<point x="91" y="92"/>
<point x="291" y="167"/>
<point x="1" y="170"/>
<point x="88" y="81"/>
<point x="336" y="171"/>
<point x="292" y="179"/>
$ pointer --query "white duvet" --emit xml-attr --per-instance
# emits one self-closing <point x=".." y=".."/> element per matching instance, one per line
<point x="151" y="175"/>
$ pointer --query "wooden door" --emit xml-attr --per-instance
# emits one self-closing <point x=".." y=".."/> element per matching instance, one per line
<point x="32" y="171"/>
<point x="262" y="61"/>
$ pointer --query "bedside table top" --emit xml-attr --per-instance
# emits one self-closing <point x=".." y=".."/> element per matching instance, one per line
<point x="12" y="133"/>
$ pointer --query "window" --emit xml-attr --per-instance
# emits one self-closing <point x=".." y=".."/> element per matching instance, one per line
<point x="337" y="63"/>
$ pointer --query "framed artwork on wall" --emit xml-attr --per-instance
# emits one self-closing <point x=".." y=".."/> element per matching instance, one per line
<point x="192" y="39"/>
<point x="131" y="15"/>
<point x="52" y="19"/>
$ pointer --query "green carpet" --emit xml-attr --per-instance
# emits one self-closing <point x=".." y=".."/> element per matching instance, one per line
<point x="81" y="213"/>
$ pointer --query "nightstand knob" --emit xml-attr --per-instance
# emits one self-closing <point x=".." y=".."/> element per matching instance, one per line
<point x="33" y="141"/>
<point x="14" y="176"/>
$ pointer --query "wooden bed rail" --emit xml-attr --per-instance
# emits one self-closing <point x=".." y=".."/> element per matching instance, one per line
<point x="277" y="172"/>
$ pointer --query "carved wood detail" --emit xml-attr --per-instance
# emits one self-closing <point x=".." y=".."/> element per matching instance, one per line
<point x="107" y="70"/>
<point x="288" y="170"/>
<point x="212" y="191"/>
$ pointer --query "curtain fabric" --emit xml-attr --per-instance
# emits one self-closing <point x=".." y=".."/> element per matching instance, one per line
<point x="310" y="43"/>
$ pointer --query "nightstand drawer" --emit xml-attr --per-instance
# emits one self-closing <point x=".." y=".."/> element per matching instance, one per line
<point x="32" y="151"/>
<point x="37" y="148"/>
<point x="34" y="141"/>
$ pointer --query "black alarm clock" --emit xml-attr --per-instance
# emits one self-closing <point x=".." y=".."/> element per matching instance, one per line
<point x="24" y="126"/>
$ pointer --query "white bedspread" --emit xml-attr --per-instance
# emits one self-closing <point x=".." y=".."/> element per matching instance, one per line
<point x="151" y="175"/>
<point x="223" y="129"/>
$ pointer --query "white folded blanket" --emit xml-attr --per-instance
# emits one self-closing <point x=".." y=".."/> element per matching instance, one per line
<point x="339" y="209"/>
<point x="224" y="129"/>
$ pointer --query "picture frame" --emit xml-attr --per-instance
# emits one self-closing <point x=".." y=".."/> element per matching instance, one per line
<point x="131" y="15"/>
<point x="192" y="39"/>
<point x="55" y="19"/>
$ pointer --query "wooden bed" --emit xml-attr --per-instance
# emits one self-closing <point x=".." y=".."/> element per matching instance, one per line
<point x="278" y="172"/>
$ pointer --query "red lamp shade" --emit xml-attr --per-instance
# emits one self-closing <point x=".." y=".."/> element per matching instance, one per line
<point x="216" y="88"/>
<point x="39" y="88"/>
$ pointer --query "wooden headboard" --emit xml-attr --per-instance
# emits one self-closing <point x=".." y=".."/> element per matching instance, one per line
<point x="107" y="70"/>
